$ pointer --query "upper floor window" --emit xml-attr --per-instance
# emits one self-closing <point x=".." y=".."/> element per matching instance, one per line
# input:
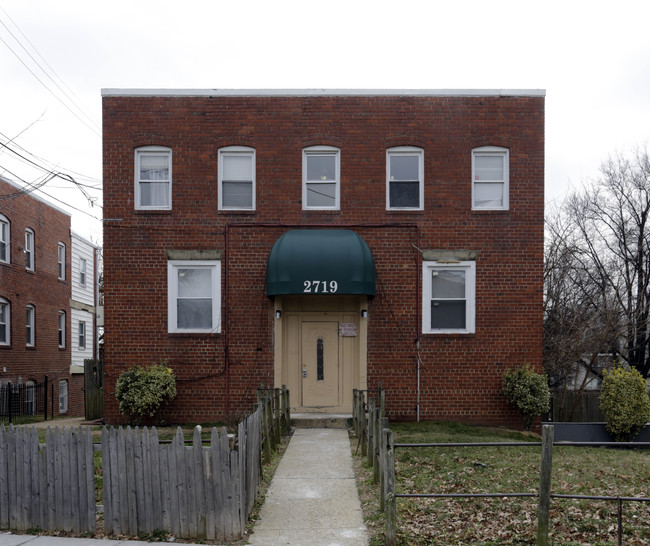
<point x="30" y="326"/>
<point x="321" y="173"/>
<point x="405" y="178"/>
<point x="153" y="178"/>
<point x="82" y="271"/>
<point x="5" y="237"/>
<point x="237" y="178"/>
<point x="448" y="297"/>
<point x="61" y="260"/>
<point x="5" y="322"/>
<point x="61" y="329"/>
<point x="490" y="178"/>
<point x="29" y="249"/>
<point x="194" y="296"/>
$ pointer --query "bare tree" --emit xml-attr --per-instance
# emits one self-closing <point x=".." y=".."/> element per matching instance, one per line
<point x="597" y="277"/>
<point x="580" y="320"/>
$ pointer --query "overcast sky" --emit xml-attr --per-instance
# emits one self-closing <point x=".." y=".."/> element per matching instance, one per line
<point x="592" y="58"/>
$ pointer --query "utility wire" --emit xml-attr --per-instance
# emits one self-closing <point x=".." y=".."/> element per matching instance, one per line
<point x="51" y="167"/>
<point x="80" y="106"/>
<point x="93" y="129"/>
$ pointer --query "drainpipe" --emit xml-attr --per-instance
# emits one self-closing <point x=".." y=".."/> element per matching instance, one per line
<point x="419" y="364"/>
<point x="225" y="320"/>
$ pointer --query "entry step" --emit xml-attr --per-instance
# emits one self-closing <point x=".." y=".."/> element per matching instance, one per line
<point x="321" y="420"/>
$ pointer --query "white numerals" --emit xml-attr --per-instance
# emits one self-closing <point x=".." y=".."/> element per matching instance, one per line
<point x="320" y="287"/>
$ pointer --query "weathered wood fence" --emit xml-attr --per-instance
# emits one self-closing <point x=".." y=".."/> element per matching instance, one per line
<point x="276" y="417"/>
<point x="48" y="486"/>
<point x="198" y="491"/>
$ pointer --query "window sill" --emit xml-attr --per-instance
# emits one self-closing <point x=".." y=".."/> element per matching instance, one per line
<point x="490" y="211"/>
<point x="235" y="212"/>
<point x="418" y="212"/>
<point x="323" y="212"/>
<point x="152" y="212"/>
<point x="192" y="334"/>
<point x="450" y="334"/>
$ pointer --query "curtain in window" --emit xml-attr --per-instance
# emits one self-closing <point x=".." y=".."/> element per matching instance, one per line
<point x="154" y="180"/>
<point x="194" y="303"/>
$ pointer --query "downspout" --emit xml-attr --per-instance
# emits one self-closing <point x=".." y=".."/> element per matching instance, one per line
<point x="418" y="319"/>
<point x="225" y="321"/>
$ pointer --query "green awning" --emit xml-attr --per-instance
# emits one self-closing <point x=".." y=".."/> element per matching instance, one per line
<point x="320" y="261"/>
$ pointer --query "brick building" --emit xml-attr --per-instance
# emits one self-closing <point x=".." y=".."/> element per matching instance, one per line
<point x="325" y="240"/>
<point x="35" y="251"/>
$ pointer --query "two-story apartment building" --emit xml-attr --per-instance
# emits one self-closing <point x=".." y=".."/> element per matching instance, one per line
<point x="325" y="240"/>
<point x="35" y="271"/>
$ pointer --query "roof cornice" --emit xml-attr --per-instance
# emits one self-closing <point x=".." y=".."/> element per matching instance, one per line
<point x="111" y="92"/>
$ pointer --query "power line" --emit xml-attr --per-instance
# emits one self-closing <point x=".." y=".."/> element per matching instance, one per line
<point x="51" y="167"/>
<point x="93" y="129"/>
<point x="78" y="104"/>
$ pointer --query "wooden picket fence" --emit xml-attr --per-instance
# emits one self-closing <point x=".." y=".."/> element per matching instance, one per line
<point x="194" y="491"/>
<point x="47" y="486"/>
<point x="198" y="491"/>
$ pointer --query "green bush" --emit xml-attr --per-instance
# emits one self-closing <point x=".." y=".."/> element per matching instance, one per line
<point x="624" y="402"/>
<point x="528" y="391"/>
<point x="142" y="391"/>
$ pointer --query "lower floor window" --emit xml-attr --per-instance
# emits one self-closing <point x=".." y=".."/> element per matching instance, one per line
<point x="194" y="296"/>
<point x="63" y="396"/>
<point x="448" y="296"/>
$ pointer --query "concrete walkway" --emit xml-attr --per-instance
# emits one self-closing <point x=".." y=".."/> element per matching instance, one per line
<point x="313" y="497"/>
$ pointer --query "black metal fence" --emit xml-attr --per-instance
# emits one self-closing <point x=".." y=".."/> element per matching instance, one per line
<point x="23" y="400"/>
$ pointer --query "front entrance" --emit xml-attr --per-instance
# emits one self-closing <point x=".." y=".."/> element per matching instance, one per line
<point x="321" y="350"/>
<point x="320" y="364"/>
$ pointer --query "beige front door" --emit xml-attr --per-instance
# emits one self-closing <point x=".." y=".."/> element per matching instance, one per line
<point x="320" y="364"/>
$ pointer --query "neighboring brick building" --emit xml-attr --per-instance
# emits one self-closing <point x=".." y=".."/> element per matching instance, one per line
<point x="35" y="247"/>
<point x="326" y="240"/>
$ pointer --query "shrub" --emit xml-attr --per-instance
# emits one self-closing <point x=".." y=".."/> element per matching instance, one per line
<point x="528" y="391"/>
<point x="142" y="391"/>
<point x="624" y="402"/>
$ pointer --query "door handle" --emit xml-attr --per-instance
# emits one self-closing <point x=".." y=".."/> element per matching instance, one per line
<point x="304" y="372"/>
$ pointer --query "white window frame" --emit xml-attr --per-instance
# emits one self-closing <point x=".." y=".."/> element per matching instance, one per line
<point x="5" y="238"/>
<point x="83" y="267"/>
<point x="81" y="335"/>
<point x="322" y="151"/>
<point x="29" y="249"/>
<point x="493" y="151"/>
<point x="6" y="325"/>
<point x="172" y="286"/>
<point x="61" y="330"/>
<point x="409" y="151"/>
<point x="469" y="267"/>
<point x="30" y="326"/>
<point x="234" y="151"/>
<point x="61" y="260"/>
<point x="63" y="396"/>
<point x="152" y="150"/>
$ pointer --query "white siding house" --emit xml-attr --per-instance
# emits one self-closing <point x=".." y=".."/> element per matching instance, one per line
<point x="82" y="303"/>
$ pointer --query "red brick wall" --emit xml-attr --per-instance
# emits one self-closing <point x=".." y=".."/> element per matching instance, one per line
<point x="460" y="374"/>
<point x="42" y="289"/>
